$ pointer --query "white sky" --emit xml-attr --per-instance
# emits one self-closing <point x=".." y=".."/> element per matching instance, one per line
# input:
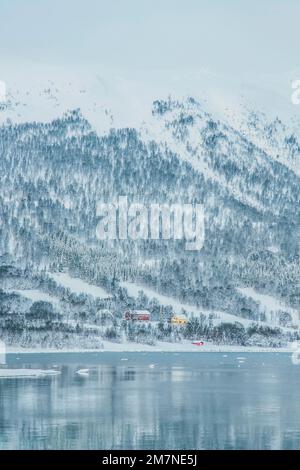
<point x="134" y="46"/>
<point x="236" y="36"/>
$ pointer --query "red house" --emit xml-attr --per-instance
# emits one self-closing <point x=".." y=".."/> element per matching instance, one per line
<point x="137" y="315"/>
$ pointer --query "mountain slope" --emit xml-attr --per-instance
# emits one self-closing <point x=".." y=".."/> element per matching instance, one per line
<point x="53" y="174"/>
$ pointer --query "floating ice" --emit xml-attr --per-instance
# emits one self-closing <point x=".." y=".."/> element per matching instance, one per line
<point x="28" y="373"/>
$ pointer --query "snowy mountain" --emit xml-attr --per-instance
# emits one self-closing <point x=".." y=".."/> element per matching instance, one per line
<point x="243" y="169"/>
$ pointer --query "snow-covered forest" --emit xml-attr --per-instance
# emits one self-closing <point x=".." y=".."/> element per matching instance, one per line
<point x="242" y="288"/>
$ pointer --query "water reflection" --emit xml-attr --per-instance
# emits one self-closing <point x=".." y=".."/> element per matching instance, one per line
<point x="202" y="401"/>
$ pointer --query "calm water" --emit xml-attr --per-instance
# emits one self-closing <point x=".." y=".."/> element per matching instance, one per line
<point x="153" y="401"/>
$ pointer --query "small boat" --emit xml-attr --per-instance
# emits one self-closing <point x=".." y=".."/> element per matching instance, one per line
<point x="198" y="343"/>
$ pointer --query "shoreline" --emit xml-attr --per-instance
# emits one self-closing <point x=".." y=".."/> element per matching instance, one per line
<point x="162" y="347"/>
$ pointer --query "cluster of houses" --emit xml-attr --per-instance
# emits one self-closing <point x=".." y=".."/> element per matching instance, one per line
<point x="145" y="316"/>
<point x="140" y="316"/>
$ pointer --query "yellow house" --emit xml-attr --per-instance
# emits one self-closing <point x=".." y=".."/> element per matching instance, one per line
<point x="179" y="319"/>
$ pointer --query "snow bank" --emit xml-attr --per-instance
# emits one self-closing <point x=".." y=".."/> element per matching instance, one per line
<point x="2" y="352"/>
<point x="184" y="346"/>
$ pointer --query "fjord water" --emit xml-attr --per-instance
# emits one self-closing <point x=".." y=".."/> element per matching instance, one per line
<point x="152" y="401"/>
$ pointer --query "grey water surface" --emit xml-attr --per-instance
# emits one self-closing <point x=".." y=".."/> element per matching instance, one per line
<point x="152" y="401"/>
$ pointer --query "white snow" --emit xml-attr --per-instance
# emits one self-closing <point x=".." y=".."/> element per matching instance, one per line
<point x="183" y="347"/>
<point x="78" y="286"/>
<point x="160" y="346"/>
<point x="158" y="128"/>
<point x="2" y="352"/>
<point x="36" y="295"/>
<point x="2" y="92"/>
<point x="270" y="306"/>
<point x="122" y="97"/>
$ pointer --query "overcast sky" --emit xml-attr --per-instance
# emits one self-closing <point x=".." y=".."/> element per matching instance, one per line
<point x="126" y="53"/>
<point x="233" y="36"/>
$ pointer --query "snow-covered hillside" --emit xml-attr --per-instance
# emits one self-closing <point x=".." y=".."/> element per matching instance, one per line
<point x="271" y="307"/>
<point x="240" y="163"/>
<point x="178" y="307"/>
<point x="78" y="286"/>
